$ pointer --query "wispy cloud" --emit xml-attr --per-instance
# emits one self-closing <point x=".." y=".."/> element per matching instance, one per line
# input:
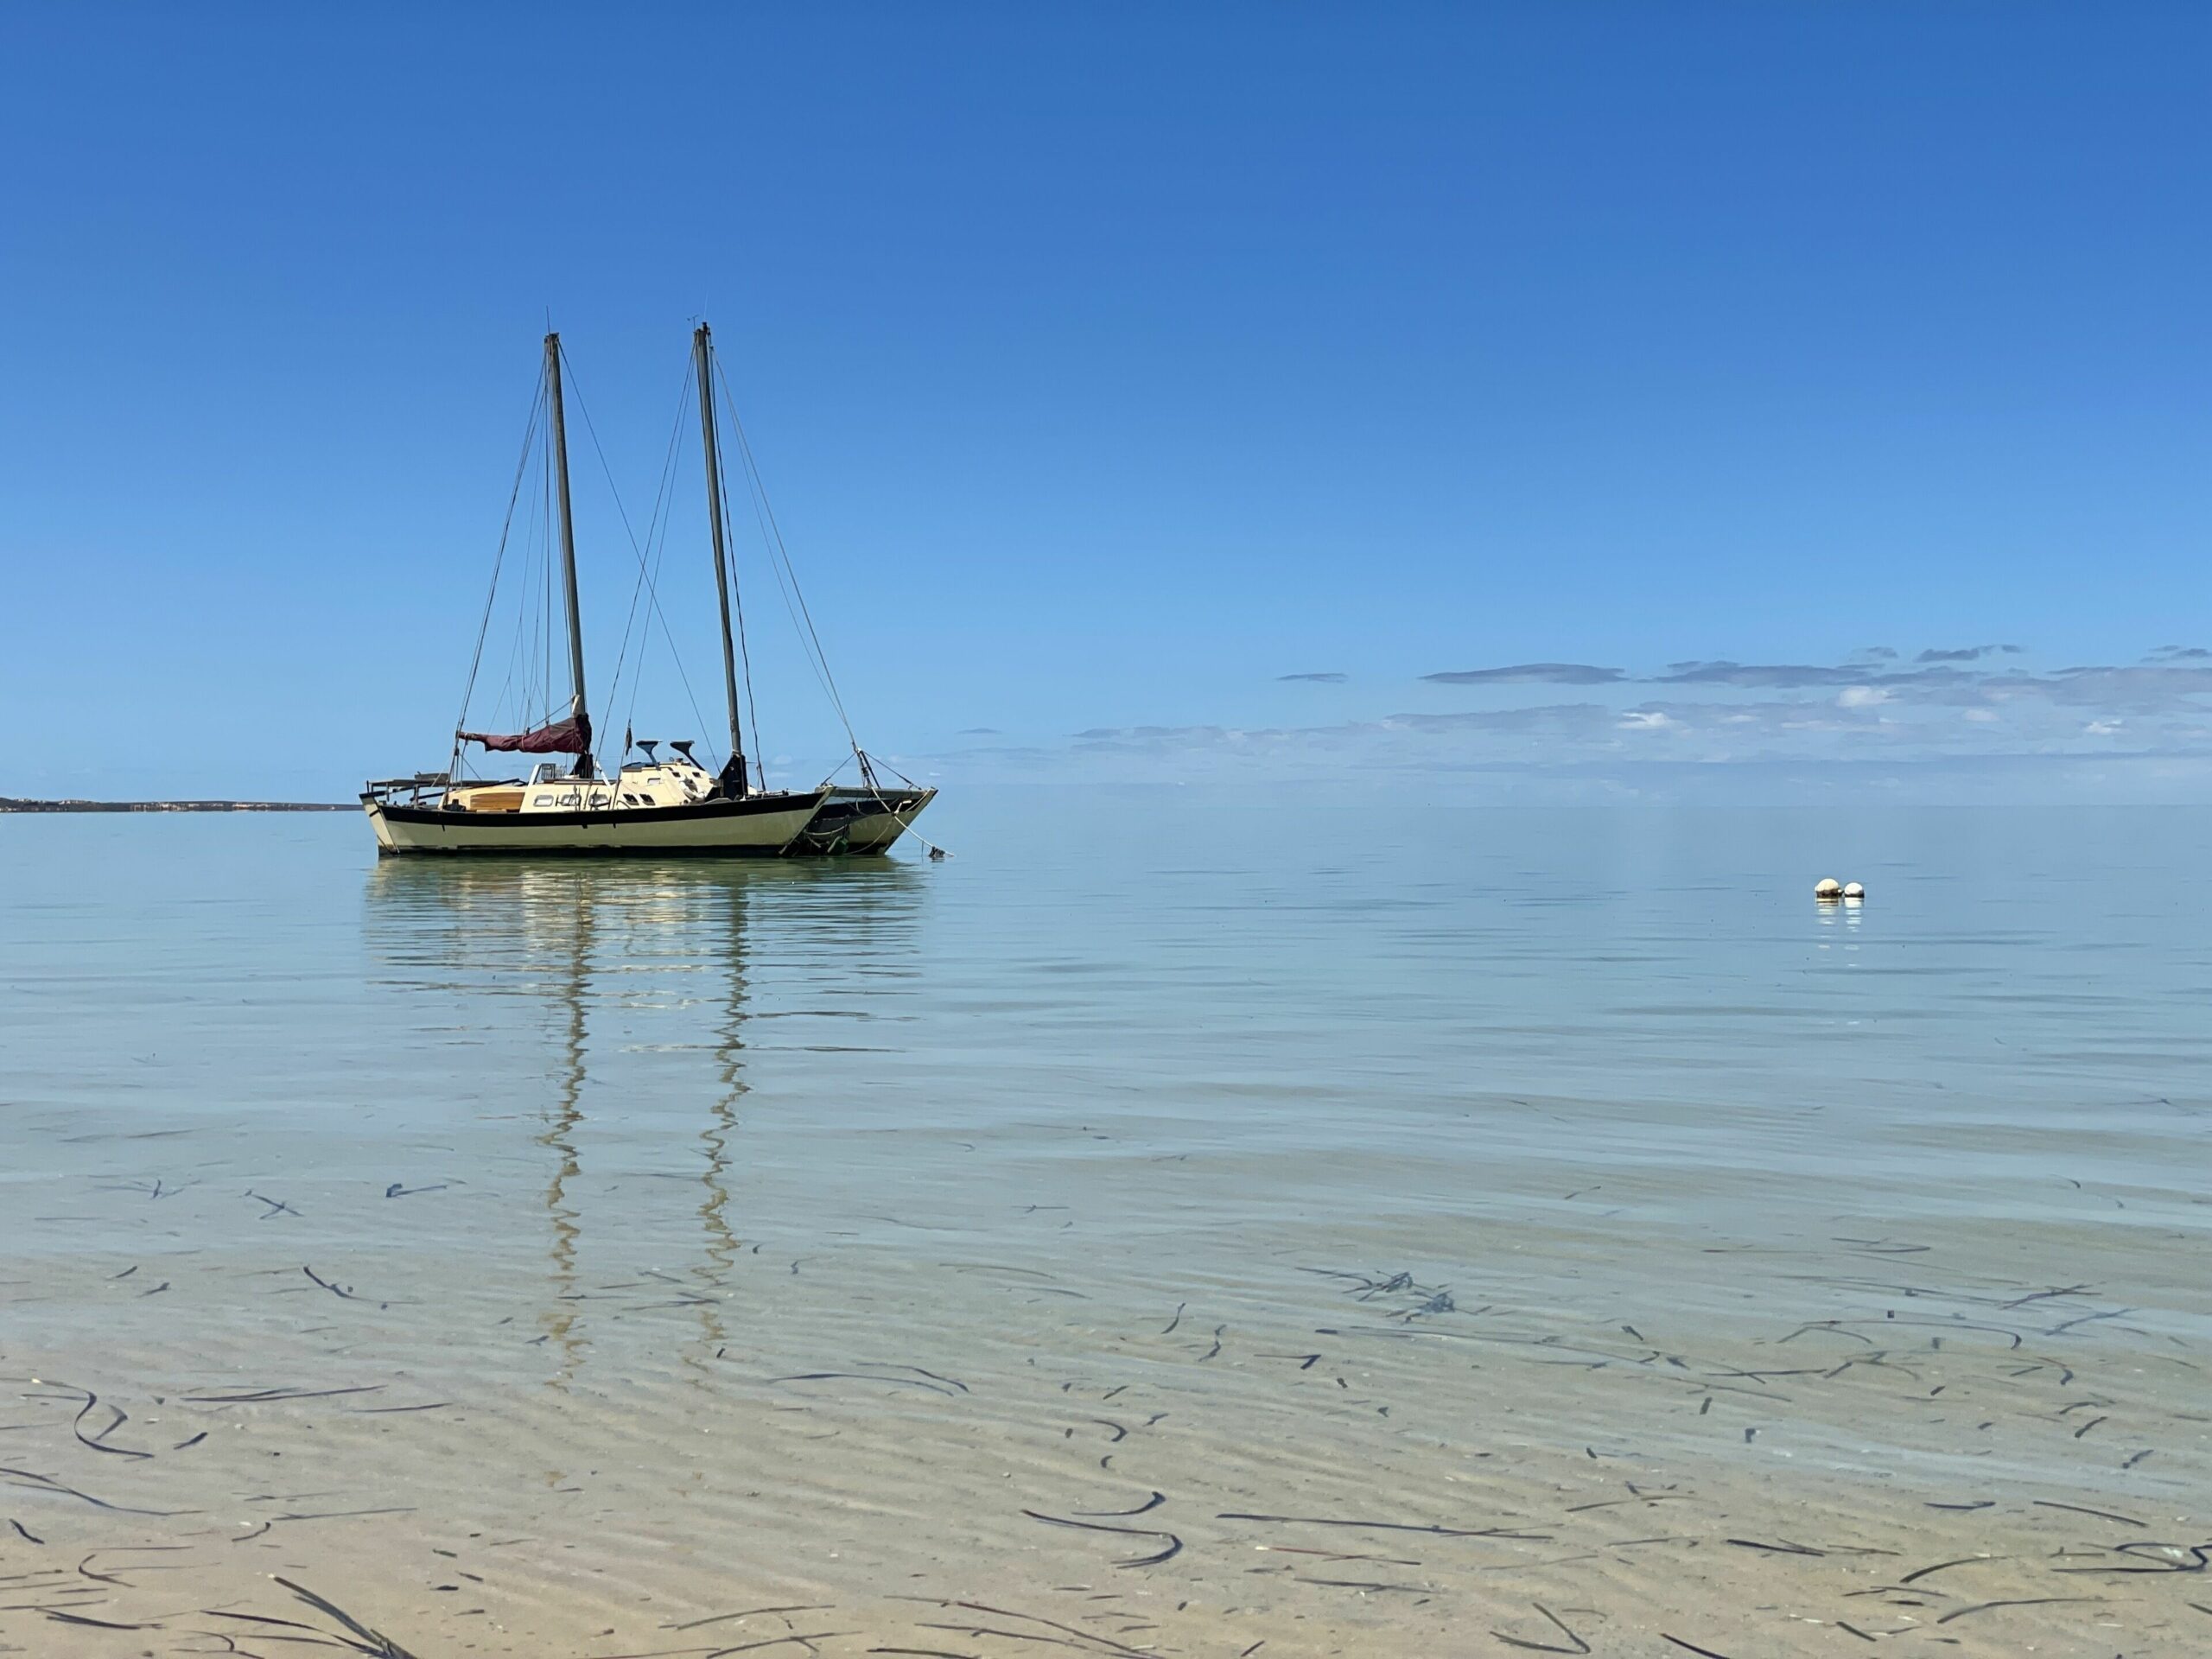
<point x="2149" y="689"/>
<point x="1529" y="674"/>
<point x="1317" y="679"/>
<point x="1406" y="733"/>
<point x="1984" y="715"/>
<point x="1965" y="653"/>
<point x="1763" y="675"/>
<point x="2176" y="684"/>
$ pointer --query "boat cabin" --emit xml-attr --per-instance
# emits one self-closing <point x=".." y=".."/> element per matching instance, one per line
<point x="550" y="789"/>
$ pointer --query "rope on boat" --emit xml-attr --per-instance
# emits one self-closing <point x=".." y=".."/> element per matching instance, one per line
<point x="868" y="763"/>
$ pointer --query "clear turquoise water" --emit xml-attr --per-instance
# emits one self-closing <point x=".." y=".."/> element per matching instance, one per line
<point x="2025" y="989"/>
<point x="1597" y="1070"/>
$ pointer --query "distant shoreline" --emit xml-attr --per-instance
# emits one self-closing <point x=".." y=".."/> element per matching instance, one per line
<point x="9" y="803"/>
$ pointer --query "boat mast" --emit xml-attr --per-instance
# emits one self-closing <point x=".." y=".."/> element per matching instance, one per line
<point x="734" y="775"/>
<point x="568" y="556"/>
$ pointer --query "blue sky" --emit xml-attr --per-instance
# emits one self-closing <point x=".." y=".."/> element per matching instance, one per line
<point x="1108" y="364"/>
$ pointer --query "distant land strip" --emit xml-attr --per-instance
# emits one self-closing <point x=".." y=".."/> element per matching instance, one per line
<point x="10" y="803"/>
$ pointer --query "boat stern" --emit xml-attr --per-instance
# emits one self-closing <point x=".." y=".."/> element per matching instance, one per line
<point x="378" y="823"/>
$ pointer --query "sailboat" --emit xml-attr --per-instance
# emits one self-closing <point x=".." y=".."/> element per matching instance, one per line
<point x="668" y="806"/>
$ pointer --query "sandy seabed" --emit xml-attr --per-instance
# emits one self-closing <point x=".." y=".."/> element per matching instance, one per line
<point x="1580" y="1419"/>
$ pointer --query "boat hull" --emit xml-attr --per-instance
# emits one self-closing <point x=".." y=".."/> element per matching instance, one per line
<point x="863" y="820"/>
<point x="761" y="827"/>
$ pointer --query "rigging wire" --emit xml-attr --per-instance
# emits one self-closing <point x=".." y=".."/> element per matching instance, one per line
<point x="779" y="562"/>
<point x="657" y="546"/>
<point x="781" y="565"/>
<point x="780" y="555"/>
<point x="506" y="524"/>
<point x="654" y="534"/>
<point x="652" y="593"/>
<point x="737" y="604"/>
<point x="535" y="571"/>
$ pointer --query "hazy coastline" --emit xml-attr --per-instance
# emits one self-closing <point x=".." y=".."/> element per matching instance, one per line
<point x="15" y="803"/>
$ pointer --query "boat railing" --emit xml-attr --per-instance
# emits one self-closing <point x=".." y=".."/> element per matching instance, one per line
<point x="412" y="788"/>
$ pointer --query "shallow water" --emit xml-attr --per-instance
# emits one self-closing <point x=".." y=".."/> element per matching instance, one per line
<point x="1156" y="1228"/>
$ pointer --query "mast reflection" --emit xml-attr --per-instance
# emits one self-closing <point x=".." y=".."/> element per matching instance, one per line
<point x="599" y="979"/>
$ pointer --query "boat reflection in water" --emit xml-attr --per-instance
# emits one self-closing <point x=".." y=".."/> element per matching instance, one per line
<point x="607" y="1003"/>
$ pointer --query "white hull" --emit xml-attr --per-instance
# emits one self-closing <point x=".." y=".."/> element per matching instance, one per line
<point x="762" y="826"/>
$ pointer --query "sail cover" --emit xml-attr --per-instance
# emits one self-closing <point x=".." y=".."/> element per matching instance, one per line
<point x="571" y="736"/>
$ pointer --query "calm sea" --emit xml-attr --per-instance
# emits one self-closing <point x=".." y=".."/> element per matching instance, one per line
<point x="1178" y="1223"/>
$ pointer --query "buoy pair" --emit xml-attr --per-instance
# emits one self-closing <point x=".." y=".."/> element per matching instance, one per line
<point x="1829" y="891"/>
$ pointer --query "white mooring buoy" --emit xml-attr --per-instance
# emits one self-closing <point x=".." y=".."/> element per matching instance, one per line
<point x="1828" y="888"/>
<point x="1853" y="890"/>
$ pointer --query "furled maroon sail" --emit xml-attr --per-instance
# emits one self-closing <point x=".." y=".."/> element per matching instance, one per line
<point x="563" y="737"/>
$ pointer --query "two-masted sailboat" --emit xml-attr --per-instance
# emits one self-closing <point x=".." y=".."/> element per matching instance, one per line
<point x="668" y="806"/>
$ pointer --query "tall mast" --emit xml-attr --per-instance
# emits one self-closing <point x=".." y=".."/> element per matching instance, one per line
<point x="568" y="556"/>
<point x="733" y="776"/>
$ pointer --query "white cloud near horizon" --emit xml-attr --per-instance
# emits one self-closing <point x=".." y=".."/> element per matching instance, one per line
<point x="1963" y="709"/>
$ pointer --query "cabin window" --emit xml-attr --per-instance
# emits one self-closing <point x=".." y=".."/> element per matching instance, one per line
<point x="570" y="800"/>
<point x="543" y="800"/>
